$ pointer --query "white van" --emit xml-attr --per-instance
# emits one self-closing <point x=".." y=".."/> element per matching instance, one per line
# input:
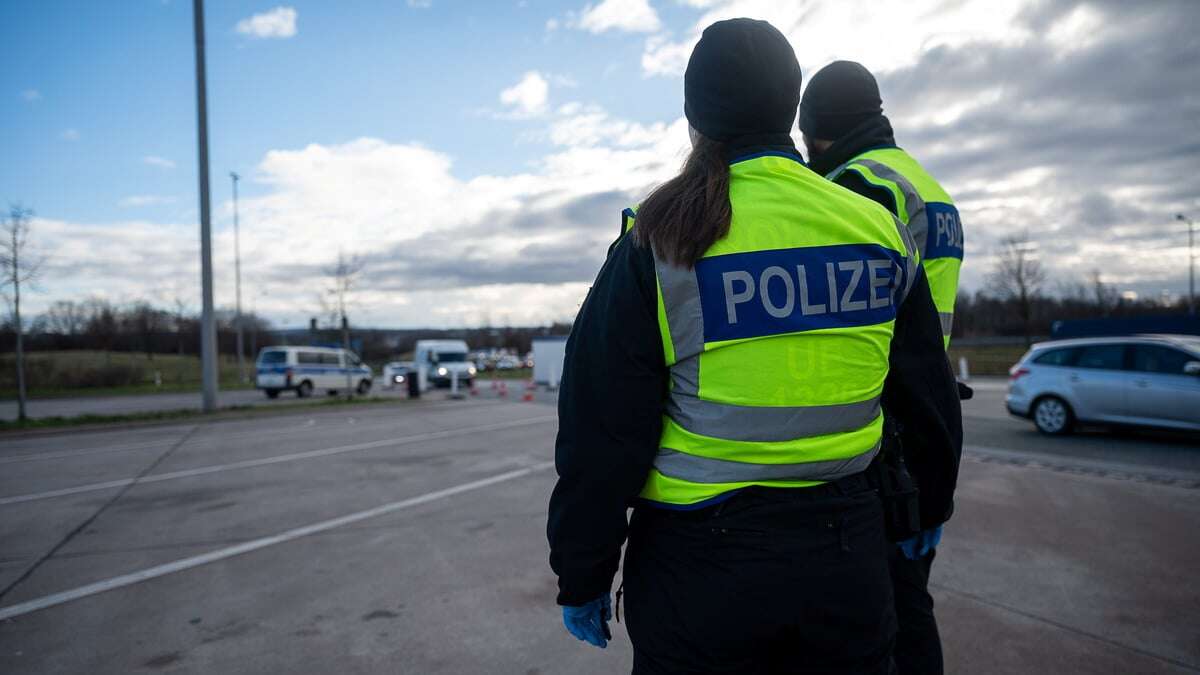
<point x="307" y="369"/>
<point x="440" y="360"/>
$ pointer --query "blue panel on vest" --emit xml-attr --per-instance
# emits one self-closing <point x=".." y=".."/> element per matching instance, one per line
<point x="945" y="236"/>
<point x="746" y="295"/>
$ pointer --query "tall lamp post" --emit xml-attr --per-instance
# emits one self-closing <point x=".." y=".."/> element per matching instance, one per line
<point x="237" y="272"/>
<point x="208" y="329"/>
<point x="1191" y="264"/>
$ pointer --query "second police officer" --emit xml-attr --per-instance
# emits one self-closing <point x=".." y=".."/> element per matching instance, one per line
<point x="725" y="379"/>
<point x="850" y="141"/>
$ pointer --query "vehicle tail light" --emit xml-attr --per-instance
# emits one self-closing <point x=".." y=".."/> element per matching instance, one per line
<point x="1016" y="373"/>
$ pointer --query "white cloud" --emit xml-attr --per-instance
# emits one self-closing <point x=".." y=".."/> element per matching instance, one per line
<point x="527" y="97"/>
<point x="135" y="201"/>
<point x="631" y="16"/>
<point x="31" y="95"/>
<point x="276" y="23"/>
<point x="442" y="250"/>
<point x="818" y="30"/>
<point x="551" y="24"/>
<point x="590" y="126"/>
<point x="70" y="135"/>
<point x="161" y="162"/>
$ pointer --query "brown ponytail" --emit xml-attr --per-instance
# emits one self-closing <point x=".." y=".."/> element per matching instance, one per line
<point x="686" y="215"/>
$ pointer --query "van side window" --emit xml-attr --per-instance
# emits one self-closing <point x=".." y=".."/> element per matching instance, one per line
<point x="330" y="359"/>
<point x="1155" y="359"/>
<point x="1058" y="357"/>
<point x="1104" y="357"/>
<point x="308" y="357"/>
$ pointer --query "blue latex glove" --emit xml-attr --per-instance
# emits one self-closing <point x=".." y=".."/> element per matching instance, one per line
<point x="919" y="546"/>
<point x="589" y="622"/>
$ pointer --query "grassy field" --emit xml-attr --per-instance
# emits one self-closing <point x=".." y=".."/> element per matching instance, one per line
<point x="986" y="359"/>
<point x="99" y="373"/>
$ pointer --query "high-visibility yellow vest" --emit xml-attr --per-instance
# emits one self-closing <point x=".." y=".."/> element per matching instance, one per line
<point x="930" y="215"/>
<point x="778" y="338"/>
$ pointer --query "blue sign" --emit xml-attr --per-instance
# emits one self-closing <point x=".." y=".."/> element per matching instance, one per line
<point x="747" y="295"/>
<point x="945" y="236"/>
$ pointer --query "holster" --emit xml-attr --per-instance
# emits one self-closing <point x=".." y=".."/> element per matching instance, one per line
<point x="896" y="487"/>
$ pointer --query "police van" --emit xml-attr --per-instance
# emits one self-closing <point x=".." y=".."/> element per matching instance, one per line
<point x="442" y="361"/>
<point x="308" y="369"/>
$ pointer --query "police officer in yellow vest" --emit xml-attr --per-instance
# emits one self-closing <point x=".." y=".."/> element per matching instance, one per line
<point x="725" y="379"/>
<point x="850" y="142"/>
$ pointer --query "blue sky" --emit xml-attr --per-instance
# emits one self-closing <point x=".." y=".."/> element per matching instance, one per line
<point x="476" y="154"/>
<point x="120" y="75"/>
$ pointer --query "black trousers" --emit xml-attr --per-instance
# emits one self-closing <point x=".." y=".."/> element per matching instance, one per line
<point x="918" y="647"/>
<point x="770" y="581"/>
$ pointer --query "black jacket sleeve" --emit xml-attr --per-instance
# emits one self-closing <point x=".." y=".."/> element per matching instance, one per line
<point x="610" y="408"/>
<point x="853" y="181"/>
<point x="921" y="396"/>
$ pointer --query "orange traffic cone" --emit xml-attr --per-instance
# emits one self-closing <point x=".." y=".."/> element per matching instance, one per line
<point x="528" y="397"/>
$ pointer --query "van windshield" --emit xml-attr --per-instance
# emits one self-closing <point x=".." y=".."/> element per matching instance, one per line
<point x="274" y="356"/>
<point x="451" y="357"/>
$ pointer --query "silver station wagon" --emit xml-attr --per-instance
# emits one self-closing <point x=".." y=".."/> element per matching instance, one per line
<point x="1140" y="380"/>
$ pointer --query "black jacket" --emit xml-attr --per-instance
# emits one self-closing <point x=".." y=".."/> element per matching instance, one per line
<point x="612" y="399"/>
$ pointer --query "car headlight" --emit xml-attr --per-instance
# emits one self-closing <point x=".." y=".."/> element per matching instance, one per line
<point x="399" y="378"/>
<point x="471" y="370"/>
<point x="441" y="371"/>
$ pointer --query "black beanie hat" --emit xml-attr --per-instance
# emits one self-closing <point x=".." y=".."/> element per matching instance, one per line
<point x="839" y="97"/>
<point x="742" y="79"/>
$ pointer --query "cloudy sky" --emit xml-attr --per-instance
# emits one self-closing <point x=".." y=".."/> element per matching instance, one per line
<point x="476" y="155"/>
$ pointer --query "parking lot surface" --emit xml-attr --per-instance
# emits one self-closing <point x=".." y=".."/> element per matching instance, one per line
<point x="410" y="538"/>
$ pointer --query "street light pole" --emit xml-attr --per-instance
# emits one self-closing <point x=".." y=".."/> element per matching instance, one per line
<point x="237" y="271"/>
<point x="208" y="330"/>
<point x="1191" y="265"/>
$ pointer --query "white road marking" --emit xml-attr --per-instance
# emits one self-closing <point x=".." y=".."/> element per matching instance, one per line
<point x="29" y="457"/>
<point x="273" y="433"/>
<point x="277" y="459"/>
<point x="256" y="544"/>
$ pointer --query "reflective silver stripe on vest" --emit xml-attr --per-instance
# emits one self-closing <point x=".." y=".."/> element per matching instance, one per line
<point x="685" y="321"/>
<point x="911" y="263"/>
<point x="947" y="322"/>
<point x="768" y="424"/>
<point x="914" y="204"/>
<point x="697" y="469"/>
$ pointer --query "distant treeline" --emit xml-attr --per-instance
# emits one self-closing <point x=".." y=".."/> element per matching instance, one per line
<point x="97" y="324"/>
<point x="985" y="315"/>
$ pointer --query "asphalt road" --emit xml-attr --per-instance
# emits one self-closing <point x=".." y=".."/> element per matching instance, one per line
<point x="142" y="403"/>
<point x="410" y="538"/>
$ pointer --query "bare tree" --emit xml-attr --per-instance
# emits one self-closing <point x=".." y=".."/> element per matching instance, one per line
<point x="343" y="276"/>
<point x="65" y="317"/>
<point x="1019" y="275"/>
<point x="17" y="266"/>
<point x="1106" y="295"/>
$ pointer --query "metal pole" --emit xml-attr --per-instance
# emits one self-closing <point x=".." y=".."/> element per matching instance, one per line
<point x="1191" y="264"/>
<point x="208" y="331"/>
<point x="237" y="271"/>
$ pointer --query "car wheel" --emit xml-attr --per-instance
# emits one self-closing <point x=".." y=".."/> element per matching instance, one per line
<point x="364" y="386"/>
<point x="1052" y="416"/>
<point x="272" y="393"/>
<point x="304" y="390"/>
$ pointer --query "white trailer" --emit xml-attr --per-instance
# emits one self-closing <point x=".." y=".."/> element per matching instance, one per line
<point x="548" y="355"/>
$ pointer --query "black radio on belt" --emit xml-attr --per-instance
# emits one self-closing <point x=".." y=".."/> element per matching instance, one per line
<point x="897" y="490"/>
